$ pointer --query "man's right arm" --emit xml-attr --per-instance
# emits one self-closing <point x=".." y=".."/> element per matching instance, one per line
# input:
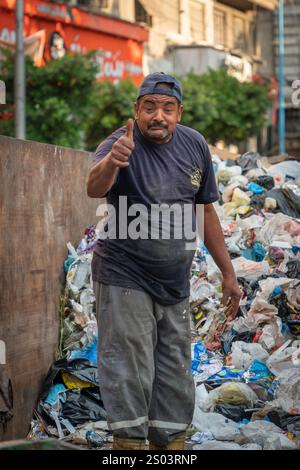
<point x="103" y="173"/>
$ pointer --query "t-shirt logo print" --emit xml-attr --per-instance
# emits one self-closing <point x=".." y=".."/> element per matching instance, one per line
<point x="196" y="178"/>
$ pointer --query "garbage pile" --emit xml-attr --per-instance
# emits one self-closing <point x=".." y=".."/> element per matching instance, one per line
<point x="246" y="370"/>
<point x="70" y="406"/>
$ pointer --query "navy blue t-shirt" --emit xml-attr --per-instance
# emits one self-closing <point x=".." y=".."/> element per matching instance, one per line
<point x="178" y="172"/>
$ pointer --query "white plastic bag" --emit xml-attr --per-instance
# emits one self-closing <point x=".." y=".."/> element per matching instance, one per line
<point x="222" y="428"/>
<point x="242" y="354"/>
<point x="250" y="270"/>
<point x="267" y="435"/>
<point x="282" y="359"/>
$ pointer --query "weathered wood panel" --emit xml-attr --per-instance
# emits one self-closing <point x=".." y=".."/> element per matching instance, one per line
<point x="43" y="205"/>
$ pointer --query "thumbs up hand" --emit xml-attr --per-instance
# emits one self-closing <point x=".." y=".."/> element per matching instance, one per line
<point x="123" y="147"/>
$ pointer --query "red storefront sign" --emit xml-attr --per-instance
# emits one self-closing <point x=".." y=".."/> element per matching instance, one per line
<point x="52" y="28"/>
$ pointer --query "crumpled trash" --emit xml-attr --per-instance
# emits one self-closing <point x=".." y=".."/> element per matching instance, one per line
<point x="220" y="445"/>
<point x="255" y="253"/>
<point x="267" y="435"/>
<point x="285" y="168"/>
<point x="226" y="374"/>
<point x="250" y="270"/>
<point x="243" y="354"/>
<point x="90" y="352"/>
<point x="83" y="405"/>
<point x="234" y="393"/>
<point x="266" y="181"/>
<point x="258" y="201"/>
<point x="221" y="428"/>
<point x="259" y="374"/>
<point x="200" y="437"/>
<point x="287" y="201"/>
<point x="234" y="412"/>
<point x="293" y="269"/>
<point x="255" y="188"/>
<point x="281" y="360"/>
<point x="269" y="203"/>
<point x="239" y="199"/>
<point x="248" y="161"/>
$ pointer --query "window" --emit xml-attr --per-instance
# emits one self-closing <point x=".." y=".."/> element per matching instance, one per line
<point x="197" y="20"/>
<point x="239" y="33"/>
<point x="141" y="15"/>
<point x="220" y="28"/>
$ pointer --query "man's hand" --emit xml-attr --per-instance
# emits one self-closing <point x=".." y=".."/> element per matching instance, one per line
<point x="231" y="296"/>
<point x="123" y="147"/>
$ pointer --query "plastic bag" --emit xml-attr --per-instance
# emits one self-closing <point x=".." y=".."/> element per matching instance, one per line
<point x="221" y="428"/>
<point x="244" y="353"/>
<point x="287" y="392"/>
<point x="256" y="253"/>
<point x="286" y="168"/>
<point x="234" y="393"/>
<point x="90" y="352"/>
<point x="234" y="412"/>
<point x="82" y="406"/>
<point x="274" y="230"/>
<point x="222" y="445"/>
<point x="270" y="203"/>
<point x="259" y="374"/>
<point x="266" y="181"/>
<point x="287" y="201"/>
<point x="248" y="160"/>
<point x="250" y="270"/>
<point x="240" y="198"/>
<point x="226" y="374"/>
<point x="267" y="435"/>
<point x="255" y="188"/>
<point x="281" y="359"/>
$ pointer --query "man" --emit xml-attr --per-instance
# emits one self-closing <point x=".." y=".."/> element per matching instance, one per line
<point x="142" y="283"/>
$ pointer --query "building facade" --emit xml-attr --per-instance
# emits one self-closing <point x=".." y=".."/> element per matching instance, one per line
<point x="52" y="28"/>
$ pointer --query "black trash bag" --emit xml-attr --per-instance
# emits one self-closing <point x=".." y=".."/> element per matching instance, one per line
<point x="235" y="412"/>
<point x="255" y="284"/>
<point x="257" y="201"/>
<point x="287" y="201"/>
<point x="229" y="337"/>
<point x="293" y="269"/>
<point x="248" y="161"/>
<point x="80" y="368"/>
<point x="245" y="285"/>
<point x="83" y="405"/>
<point x="281" y="302"/>
<point x="266" y="181"/>
<point x="284" y="420"/>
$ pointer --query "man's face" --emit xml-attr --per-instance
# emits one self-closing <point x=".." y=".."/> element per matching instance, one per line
<point x="157" y="116"/>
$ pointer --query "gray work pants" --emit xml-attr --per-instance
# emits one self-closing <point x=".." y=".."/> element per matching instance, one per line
<point x="144" y="364"/>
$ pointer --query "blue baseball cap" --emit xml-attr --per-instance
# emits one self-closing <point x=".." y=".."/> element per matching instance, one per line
<point x="150" y="86"/>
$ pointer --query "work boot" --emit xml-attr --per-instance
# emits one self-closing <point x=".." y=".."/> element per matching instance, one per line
<point x="177" y="444"/>
<point x="121" y="443"/>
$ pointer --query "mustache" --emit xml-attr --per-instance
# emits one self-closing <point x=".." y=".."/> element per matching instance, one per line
<point x="157" y="125"/>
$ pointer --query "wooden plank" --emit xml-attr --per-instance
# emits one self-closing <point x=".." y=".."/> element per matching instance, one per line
<point x="43" y="206"/>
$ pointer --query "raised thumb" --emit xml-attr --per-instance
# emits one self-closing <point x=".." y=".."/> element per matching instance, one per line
<point x="129" y="132"/>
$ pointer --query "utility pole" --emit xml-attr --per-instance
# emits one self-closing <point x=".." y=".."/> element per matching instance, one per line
<point x="19" y="85"/>
<point x="281" y="117"/>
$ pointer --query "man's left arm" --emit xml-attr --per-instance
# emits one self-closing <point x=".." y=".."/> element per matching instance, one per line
<point x="215" y="243"/>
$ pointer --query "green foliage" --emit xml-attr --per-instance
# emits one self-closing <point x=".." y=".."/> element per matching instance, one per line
<point x="222" y="108"/>
<point x="65" y="105"/>
<point x="58" y="98"/>
<point x="113" y="105"/>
